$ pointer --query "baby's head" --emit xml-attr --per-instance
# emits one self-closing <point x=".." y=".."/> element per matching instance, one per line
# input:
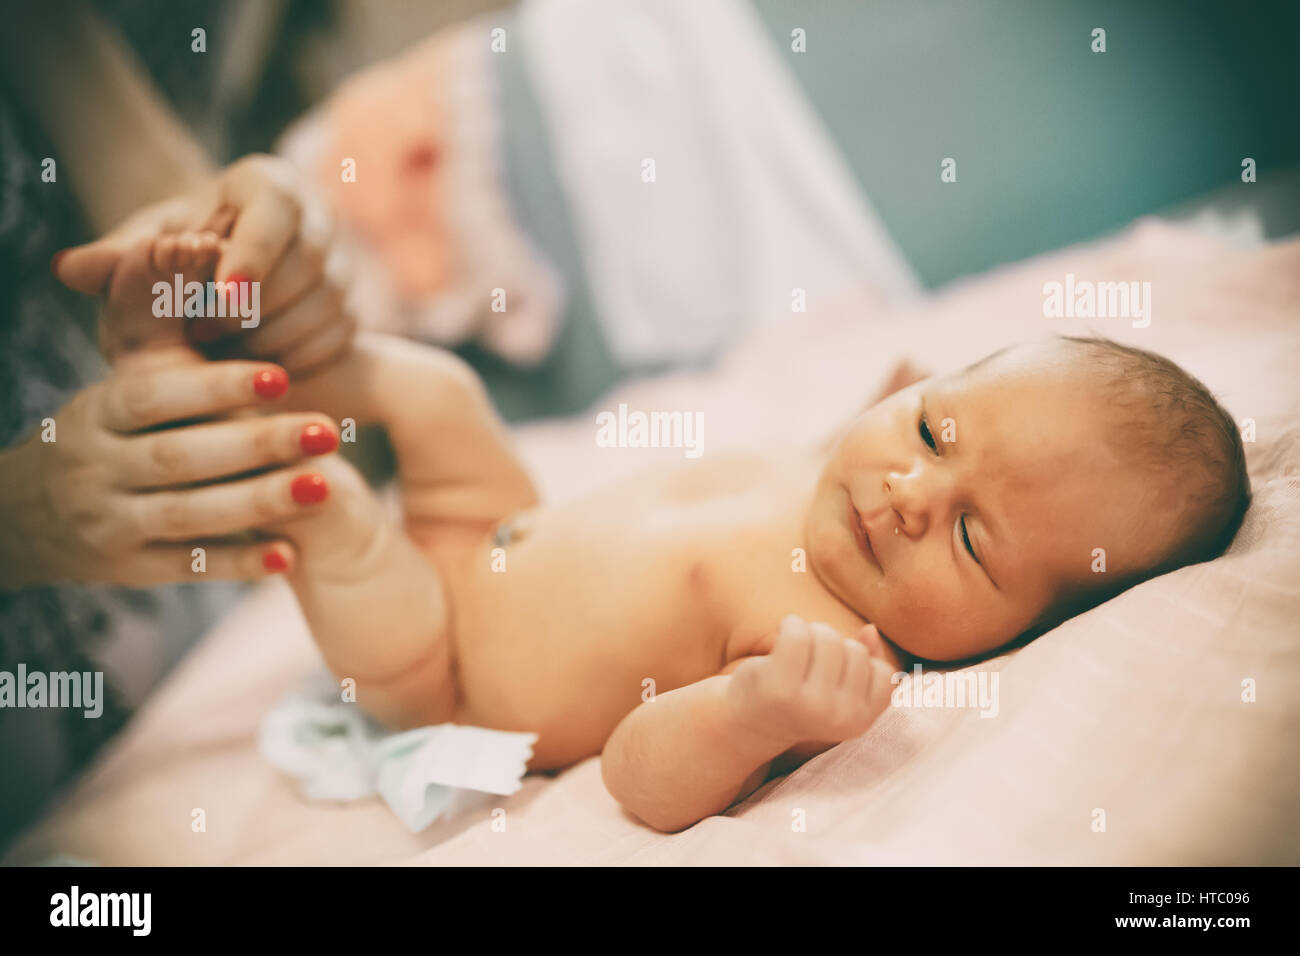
<point x="968" y="510"/>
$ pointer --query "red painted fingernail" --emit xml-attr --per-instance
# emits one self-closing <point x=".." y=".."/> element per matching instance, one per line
<point x="309" y="489"/>
<point x="54" y="262"/>
<point x="237" y="284"/>
<point x="274" y="561"/>
<point x="271" y="382"/>
<point x="318" y="440"/>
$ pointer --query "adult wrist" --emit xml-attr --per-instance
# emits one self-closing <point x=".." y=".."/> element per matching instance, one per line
<point x="25" y="516"/>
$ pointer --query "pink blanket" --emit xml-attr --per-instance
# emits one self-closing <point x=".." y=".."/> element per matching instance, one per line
<point x="1157" y="728"/>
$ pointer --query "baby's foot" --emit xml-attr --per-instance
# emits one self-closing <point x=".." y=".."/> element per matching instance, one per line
<point x="147" y="294"/>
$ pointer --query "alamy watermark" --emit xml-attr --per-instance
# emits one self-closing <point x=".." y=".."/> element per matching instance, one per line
<point x="211" y="300"/>
<point x="77" y="689"/>
<point x="949" y="689"/>
<point x="1086" y="299"/>
<point x="75" y="908"/>
<point x="638" y="429"/>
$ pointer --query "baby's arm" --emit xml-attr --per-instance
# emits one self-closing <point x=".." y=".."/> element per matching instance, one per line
<point x="696" y="750"/>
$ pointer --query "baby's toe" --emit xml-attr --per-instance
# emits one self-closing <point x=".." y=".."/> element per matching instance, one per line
<point x="189" y="254"/>
<point x="208" y="252"/>
<point x="164" y="255"/>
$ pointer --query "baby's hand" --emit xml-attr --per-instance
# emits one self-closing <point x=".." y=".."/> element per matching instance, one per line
<point x="277" y="248"/>
<point x="814" y="685"/>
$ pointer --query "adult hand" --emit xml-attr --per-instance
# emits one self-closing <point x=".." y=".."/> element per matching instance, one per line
<point x="115" y="497"/>
<point x="274" y="235"/>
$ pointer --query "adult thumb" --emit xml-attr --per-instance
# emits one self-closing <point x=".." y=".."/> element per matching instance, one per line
<point x="88" y="268"/>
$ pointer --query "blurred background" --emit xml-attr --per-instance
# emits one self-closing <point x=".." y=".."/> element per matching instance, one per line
<point x="1059" y="144"/>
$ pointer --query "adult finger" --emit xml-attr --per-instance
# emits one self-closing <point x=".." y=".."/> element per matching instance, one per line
<point x="229" y="507"/>
<point x="310" y="258"/>
<point x="267" y="223"/>
<point x="130" y="403"/>
<point x="155" y="564"/>
<point x="88" y="268"/>
<point x="322" y="348"/>
<point x="321" y="307"/>
<point x="180" y="456"/>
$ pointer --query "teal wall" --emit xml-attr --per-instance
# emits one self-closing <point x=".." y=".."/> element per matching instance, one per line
<point x="1054" y="143"/>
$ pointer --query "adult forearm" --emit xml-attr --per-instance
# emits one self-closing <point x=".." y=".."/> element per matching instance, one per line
<point x="682" y="757"/>
<point x="118" y="142"/>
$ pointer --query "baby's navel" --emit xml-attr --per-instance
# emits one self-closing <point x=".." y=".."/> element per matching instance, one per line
<point x="513" y="529"/>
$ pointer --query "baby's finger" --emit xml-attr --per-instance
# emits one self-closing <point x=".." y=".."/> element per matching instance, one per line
<point x="857" y="672"/>
<point x="156" y="564"/>
<point x="792" y="652"/>
<point x="229" y="507"/>
<point x="197" y="453"/>
<point x="874" y="641"/>
<point x="134" y="402"/>
<point x="828" y="658"/>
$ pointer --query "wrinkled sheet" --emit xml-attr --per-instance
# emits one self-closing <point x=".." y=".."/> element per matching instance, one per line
<point x="1133" y="710"/>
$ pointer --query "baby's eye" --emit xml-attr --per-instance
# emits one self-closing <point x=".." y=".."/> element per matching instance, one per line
<point x="926" y="436"/>
<point x="965" y="538"/>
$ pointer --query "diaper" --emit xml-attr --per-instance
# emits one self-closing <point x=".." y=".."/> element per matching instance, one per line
<point x="339" y="753"/>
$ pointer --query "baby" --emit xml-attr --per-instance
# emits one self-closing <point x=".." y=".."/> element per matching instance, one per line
<point x="662" y="623"/>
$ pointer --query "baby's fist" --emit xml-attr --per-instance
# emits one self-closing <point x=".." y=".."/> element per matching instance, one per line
<point x="814" y="685"/>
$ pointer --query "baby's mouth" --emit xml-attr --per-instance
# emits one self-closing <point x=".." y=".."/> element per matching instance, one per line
<point x="860" y="535"/>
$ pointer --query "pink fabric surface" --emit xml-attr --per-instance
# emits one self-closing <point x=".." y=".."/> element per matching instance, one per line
<point x="1133" y="709"/>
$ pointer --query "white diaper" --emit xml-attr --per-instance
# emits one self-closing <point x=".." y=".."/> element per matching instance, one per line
<point x="338" y="752"/>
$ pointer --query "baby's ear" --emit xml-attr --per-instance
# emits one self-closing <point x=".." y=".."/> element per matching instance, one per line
<point x="87" y="269"/>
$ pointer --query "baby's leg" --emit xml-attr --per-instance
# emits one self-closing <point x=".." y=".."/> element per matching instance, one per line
<point x="374" y="602"/>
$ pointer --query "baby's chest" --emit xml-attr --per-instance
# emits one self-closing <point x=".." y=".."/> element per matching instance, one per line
<point x="566" y="624"/>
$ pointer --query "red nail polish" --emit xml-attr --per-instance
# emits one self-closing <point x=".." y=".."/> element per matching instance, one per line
<point x="274" y="561"/>
<point x="309" y="489"/>
<point x="54" y="262"/>
<point x="237" y="284"/>
<point x="318" y="440"/>
<point x="271" y="382"/>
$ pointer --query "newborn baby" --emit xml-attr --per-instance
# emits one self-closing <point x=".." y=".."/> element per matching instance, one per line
<point x="663" y="621"/>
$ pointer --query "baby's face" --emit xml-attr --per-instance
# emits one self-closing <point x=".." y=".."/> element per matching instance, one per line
<point x="954" y="512"/>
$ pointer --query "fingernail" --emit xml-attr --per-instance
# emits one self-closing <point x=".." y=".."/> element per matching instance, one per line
<point x="309" y="489"/>
<point x="54" y="262"/>
<point x="274" y="561"/>
<point x="236" y="284"/>
<point x="271" y="382"/>
<point x="318" y="440"/>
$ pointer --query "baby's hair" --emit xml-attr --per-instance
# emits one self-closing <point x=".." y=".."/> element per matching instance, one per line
<point x="1171" y="421"/>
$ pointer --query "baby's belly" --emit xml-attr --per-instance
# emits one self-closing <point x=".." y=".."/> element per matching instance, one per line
<point x="566" y="631"/>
